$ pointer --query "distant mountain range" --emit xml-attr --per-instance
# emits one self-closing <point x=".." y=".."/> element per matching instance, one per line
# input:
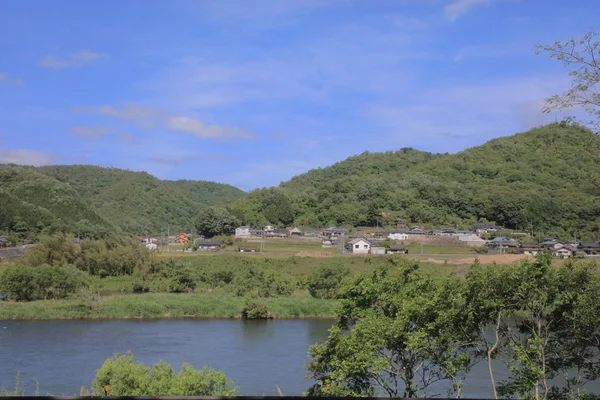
<point x="546" y="180"/>
<point x="94" y="199"/>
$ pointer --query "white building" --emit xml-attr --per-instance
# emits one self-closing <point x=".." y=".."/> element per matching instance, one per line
<point x="151" y="246"/>
<point x="242" y="232"/>
<point x="359" y="246"/>
<point x="397" y="236"/>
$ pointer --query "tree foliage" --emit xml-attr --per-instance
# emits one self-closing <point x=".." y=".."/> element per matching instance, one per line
<point x="324" y="282"/>
<point x="213" y="221"/>
<point x="582" y="57"/>
<point x="398" y="332"/>
<point x="125" y="377"/>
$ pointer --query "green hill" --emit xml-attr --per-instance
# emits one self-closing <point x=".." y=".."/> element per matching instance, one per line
<point x="107" y="199"/>
<point x="547" y="179"/>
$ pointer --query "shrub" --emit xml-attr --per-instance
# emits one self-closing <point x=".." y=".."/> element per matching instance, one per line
<point x="18" y="283"/>
<point x="323" y="282"/>
<point x="124" y="377"/>
<point x="254" y="309"/>
<point x="44" y="282"/>
<point x="255" y="281"/>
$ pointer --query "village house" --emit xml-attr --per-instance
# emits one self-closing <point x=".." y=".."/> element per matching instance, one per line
<point x="257" y="233"/>
<point x="269" y="228"/>
<point x="564" y="251"/>
<point x="247" y="249"/>
<point x="334" y="232"/>
<point x="501" y="242"/>
<point x="359" y="246"/>
<point x="397" y="249"/>
<point x="589" y="248"/>
<point x="296" y="232"/>
<point x="277" y="233"/>
<point x="377" y="250"/>
<point x="182" y="238"/>
<point x="151" y="246"/>
<point x="208" y="245"/>
<point x="397" y="235"/>
<point x="415" y="230"/>
<point x="529" y="249"/>
<point x="242" y="232"/>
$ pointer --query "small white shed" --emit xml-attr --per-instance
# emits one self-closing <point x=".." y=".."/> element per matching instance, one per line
<point x="360" y="246"/>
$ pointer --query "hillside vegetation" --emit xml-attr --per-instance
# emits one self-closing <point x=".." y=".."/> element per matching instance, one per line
<point x="547" y="179"/>
<point x="98" y="200"/>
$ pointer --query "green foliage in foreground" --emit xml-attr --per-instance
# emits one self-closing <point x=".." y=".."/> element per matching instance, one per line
<point x="399" y="333"/>
<point x="125" y="377"/>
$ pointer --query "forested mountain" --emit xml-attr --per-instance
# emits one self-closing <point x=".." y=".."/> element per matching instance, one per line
<point x="97" y="199"/>
<point x="547" y="179"/>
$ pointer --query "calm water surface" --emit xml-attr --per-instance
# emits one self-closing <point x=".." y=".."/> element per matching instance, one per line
<point x="258" y="355"/>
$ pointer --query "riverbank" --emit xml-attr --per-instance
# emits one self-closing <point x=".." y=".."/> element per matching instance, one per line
<point x="162" y="305"/>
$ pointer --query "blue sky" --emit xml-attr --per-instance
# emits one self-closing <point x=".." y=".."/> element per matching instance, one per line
<point x="253" y="92"/>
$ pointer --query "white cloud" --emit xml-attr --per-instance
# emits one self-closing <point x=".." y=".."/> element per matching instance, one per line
<point x="198" y="129"/>
<point x="25" y="157"/>
<point x="9" y="80"/>
<point x="460" y="7"/>
<point x="89" y="132"/>
<point x="151" y="117"/>
<point x="78" y="59"/>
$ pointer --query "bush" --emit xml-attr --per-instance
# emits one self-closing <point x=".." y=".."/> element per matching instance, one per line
<point x="323" y="282"/>
<point x="18" y="283"/>
<point x="255" y="281"/>
<point x="124" y="377"/>
<point x="255" y="309"/>
<point x="44" y="282"/>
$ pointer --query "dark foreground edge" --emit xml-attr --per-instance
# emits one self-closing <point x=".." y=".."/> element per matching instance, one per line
<point x="212" y="398"/>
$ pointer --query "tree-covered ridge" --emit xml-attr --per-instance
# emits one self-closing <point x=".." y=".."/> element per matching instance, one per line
<point x="546" y="179"/>
<point x="34" y="202"/>
<point x="91" y="198"/>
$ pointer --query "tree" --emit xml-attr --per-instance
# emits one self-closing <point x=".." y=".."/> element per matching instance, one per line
<point x="324" y="282"/>
<point x="582" y="57"/>
<point x="124" y="377"/>
<point x="393" y="332"/>
<point x="214" y="221"/>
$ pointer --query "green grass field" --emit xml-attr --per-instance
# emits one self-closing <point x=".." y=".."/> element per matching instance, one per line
<point x="163" y="305"/>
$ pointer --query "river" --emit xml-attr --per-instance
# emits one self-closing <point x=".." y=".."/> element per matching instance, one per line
<point x="258" y="355"/>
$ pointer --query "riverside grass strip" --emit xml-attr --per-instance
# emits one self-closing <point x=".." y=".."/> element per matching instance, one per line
<point x="162" y="305"/>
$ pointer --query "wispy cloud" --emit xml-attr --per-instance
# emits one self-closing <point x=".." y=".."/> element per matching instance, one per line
<point x="202" y="131"/>
<point x="460" y="7"/>
<point x="150" y="117"/>
<point x="10" y="80"/>
<point x="89" y="132"/>
<point x="127" y="138"/>
<point x="26" y="157"/>
<point x="278" y="136"/>
<point x="174" y="161"/>
<point x="492" y="51"/>
<point x="77" y="59"/>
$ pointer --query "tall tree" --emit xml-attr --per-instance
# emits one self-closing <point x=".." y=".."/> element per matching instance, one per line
<point x="214" y="221"/>
<point x="582" y="57"/>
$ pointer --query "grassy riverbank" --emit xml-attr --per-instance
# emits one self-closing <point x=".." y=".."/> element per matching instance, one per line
<point x="162" y="305"/>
